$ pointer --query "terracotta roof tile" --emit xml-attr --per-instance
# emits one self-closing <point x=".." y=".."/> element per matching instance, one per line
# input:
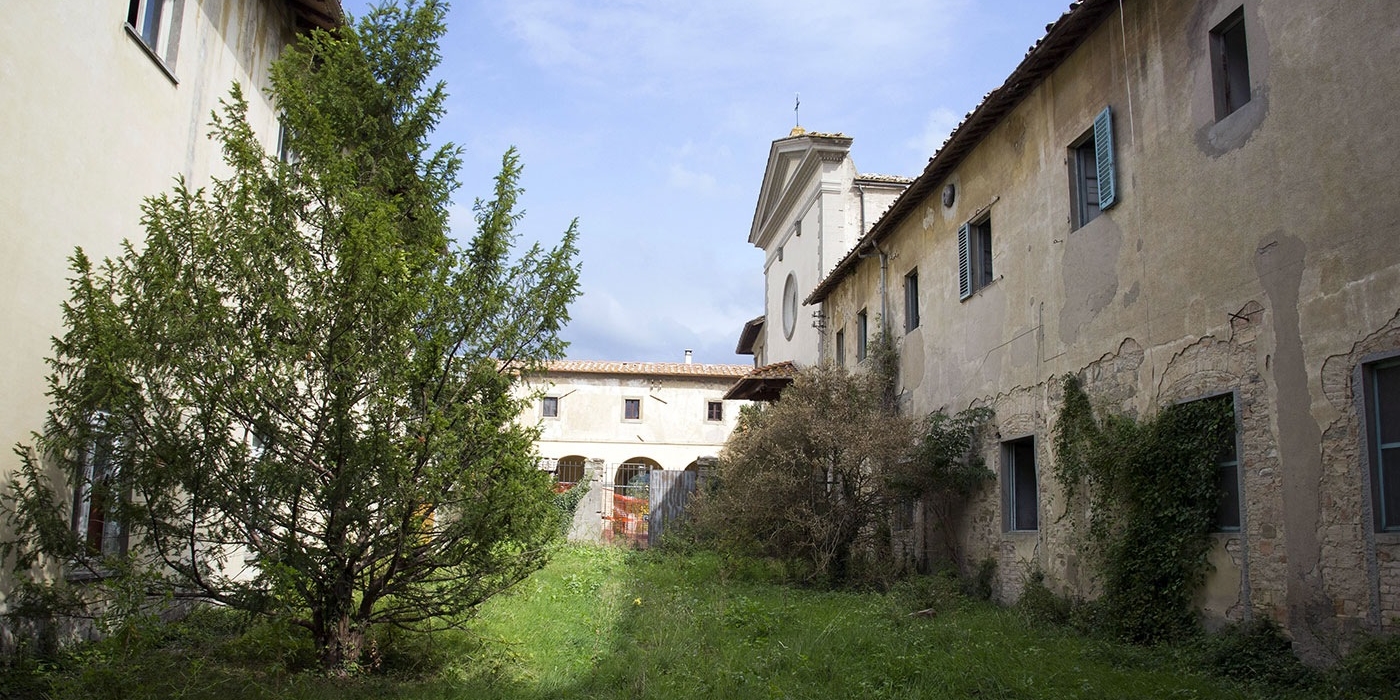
<point x="655" y="369"/>
<point x="1043" y="57"/>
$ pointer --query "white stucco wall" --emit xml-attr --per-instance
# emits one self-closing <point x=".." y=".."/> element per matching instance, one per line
<point x="812" y="209"/>
<point x="673" y="429"/>
<point x="92" y="124"/>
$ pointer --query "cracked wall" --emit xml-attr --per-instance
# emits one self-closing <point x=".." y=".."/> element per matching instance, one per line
<point x="1244" y="256"/>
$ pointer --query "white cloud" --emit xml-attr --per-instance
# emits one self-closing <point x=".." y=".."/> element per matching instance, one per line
<point x="694" y="182"/>
<point x="676" y="45"/>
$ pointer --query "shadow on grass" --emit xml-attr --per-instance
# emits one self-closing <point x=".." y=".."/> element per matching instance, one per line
<point x="608" y="623"/>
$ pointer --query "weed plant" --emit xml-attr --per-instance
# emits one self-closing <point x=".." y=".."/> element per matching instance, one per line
<point x="607" y="623"/>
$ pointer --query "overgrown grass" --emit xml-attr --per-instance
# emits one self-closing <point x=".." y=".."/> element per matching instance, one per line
<point x="605" y="623"/>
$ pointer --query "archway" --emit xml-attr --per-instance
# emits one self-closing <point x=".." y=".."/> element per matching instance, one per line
<point x="569" y="469"/>
<point x="634" y="471"/>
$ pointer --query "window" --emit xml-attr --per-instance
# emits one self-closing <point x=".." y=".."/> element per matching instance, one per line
<point x="862" y="333"/>
<point x="1092" y="171"/>
<point x="1019" y="485"/>
<point x="1227" y="475"/>
<point x="1381" y="387"/>
<point x="911" y="300"/>
<point x="631" y="409"/>
<point x="93" y="500"/>
<point x="789" y="306"/>
<point x="1229" y="59"/>
<point x="714" y="410"/>
<point x="974" y="256"/>
<point x="285" y="152"/>
<point x="157" y="24"/>
<point x="549" y="407"/>
<point x="841" y="348"/>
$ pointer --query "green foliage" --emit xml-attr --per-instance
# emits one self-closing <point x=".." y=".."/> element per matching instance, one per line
<point x="566" y="502"/>
<point x="305" y="389"/>
<point x="1150" y="490"/>
<point x="1255" y="651"/>
<point x="606" y="623"/>
<point x="946" y="462"/>
<point x="805" y="479"/>
<point x="1371" y="670"/>
<point x="1041" y="606"/>
<point x="816" y="479"/>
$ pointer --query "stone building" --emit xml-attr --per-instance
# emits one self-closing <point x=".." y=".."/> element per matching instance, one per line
<point x="106" y="102"/>
<point x="1174" y="201"/>
<point x="812" y="207"/>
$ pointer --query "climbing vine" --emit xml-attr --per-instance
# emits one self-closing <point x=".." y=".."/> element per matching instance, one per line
<point x="1150" y="487"/>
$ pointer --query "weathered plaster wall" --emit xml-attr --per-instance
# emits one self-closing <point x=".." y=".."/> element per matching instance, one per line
<point x="1253" y="255"/>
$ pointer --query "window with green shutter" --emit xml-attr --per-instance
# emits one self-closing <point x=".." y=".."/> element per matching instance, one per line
<point x="1103" y="158"/>
<point x="1092" y="173"/>
<point x="974" y="256"/>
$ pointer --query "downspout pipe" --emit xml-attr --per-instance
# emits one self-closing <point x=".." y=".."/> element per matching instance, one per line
<point x="884" y="274"/>
<point x="884" y="264"/>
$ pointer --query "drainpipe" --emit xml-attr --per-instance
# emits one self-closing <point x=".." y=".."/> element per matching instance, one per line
<point x="884" y="264"/>
<point x="884" y="272"/>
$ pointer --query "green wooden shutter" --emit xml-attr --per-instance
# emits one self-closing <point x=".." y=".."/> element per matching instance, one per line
<point x="964" y="263"/>
<point x="1103" y="158"/>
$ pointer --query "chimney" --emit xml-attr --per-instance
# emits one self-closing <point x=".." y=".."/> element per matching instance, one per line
<point x="688" y="356"/>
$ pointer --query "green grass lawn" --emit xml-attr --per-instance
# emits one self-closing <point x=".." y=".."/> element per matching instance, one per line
<point x="606" y="623"/>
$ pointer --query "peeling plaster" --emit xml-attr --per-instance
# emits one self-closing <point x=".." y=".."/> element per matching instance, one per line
<point x="1279" y="265"/>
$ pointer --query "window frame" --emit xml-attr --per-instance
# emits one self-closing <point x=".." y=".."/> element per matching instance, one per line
<point x="1232" y="462"/>
<point x="1229" y="64"/>
<point x="1082" y="162"/>
<point x="840" y="344"/>
<point x="975" y="271"/>
<point x="1011" y="484"/>
<point x="862" y="335"/>
<point x="911" y="300"/>
<point x="1091" y="157"/>
<point x="155" y="26"/>
<point x="1382" y="521"/>
<point x="633" y="401"/>
<point x="89" y="493"/>
<point x="710" y="412"/>
<point x="790" y="305"/>
<point x="545" y="403"/>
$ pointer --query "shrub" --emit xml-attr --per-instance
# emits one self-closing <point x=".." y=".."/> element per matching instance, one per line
<point x="1371" y="670"/>
<point x="1255" y="651"/>
<point x="1039" y="605"/>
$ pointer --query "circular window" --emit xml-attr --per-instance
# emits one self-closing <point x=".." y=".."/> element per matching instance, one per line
<point x="789" y="306"/>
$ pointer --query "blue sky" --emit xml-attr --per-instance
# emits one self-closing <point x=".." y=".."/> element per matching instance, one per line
<point x="650" y="121"/>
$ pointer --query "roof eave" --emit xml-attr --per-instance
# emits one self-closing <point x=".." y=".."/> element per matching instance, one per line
<point x="1060" y="40"/>
<point x="318" y="14"/>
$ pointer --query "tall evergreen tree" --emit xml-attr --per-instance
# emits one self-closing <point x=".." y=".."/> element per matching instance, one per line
<point x="296" y="398"/>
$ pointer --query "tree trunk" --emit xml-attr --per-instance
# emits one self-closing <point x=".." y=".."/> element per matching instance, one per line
<point x="340" y="641"/>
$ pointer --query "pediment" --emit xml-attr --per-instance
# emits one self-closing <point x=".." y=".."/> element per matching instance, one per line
<point x="793" y="163"/>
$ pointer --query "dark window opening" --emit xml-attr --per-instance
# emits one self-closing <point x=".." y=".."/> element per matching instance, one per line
<point x="1022" y="494"/>
<point x="1230" y="64"/>
<point x="1382" y="395"/>
<point x="862" y="335"/>
<point x="911" y="300"/>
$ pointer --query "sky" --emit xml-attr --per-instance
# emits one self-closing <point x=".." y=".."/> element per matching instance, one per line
<point x="650" y="121"/>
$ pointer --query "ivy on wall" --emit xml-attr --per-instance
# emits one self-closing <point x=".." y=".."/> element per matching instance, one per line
<point x="1151" y="493"/>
